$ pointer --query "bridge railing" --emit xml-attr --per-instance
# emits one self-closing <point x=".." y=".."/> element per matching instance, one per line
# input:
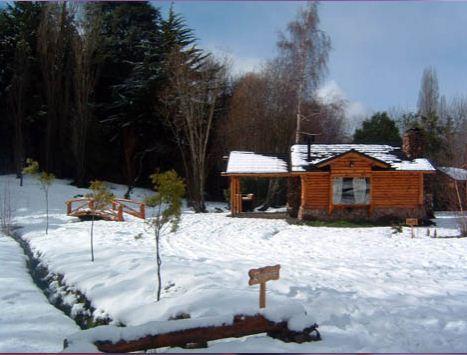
<point x="118" y="205"/>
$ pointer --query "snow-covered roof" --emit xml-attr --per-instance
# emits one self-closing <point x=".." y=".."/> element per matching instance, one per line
<point x="455" y="173"/>
<point x="255" y="163"/>
<point x="385" y="153"/>
<point x="249" y="162"/>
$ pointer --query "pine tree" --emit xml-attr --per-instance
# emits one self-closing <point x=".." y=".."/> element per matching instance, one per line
<point x="18" y="59"/>
<point x="379" y="129"/>
<point x="129" y="79"/>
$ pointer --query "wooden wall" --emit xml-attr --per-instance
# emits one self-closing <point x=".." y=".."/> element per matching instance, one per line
<point x="402" y="189"/>
<point x="315" y="190"/>
<point x="351" y="164"/>
<point x="388" y="188"/>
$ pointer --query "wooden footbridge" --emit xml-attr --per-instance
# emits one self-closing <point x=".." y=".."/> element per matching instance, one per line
<point x="83" y="207"/>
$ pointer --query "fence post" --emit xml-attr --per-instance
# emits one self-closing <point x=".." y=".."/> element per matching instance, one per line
<point x="120" y="213"/>
<point x="142" y="211"/>
<point x="68" y="207"/>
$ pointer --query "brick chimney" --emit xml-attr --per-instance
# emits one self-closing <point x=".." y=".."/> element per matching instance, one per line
<point x="413" y="143"/>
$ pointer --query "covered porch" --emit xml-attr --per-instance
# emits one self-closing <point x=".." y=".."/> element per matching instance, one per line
<point x="248" y="165"/>
<point x="238" y="199"/>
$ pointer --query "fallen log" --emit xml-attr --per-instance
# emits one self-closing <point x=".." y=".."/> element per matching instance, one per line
<point x="192" y="333"/>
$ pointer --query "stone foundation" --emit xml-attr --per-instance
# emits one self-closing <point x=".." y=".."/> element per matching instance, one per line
<point x="379" y="214"/>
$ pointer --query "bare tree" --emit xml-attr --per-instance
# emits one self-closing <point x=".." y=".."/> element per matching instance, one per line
<point x="261" y="117"/>
<point x="53" y="41"/>
<point x="85" y="48"/>
<point x="428" y="97"/>
<point x="191" y="99"/>
<point x="304" y="52"/>
<point x="454" y="118"/>
<point x="17" y="99"/>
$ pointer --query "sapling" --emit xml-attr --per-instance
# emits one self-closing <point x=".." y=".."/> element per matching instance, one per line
<point x="101" y="197"/>
<point x="167" y="207"/>
<point x="45" y="179"/>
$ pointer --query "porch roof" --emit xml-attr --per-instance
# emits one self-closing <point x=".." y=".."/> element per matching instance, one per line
<point x="454" y="173"/>
<point x="253" y="163"/>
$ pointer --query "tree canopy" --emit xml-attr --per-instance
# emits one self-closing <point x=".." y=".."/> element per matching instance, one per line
<point x="379" y="129"/>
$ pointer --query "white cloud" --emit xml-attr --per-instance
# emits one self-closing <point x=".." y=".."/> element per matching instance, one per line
<point x="239" y="64"/>
<point x="355" y="111"/>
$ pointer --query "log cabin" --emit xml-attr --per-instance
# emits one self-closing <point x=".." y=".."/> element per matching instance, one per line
<point x="341" y="181"/>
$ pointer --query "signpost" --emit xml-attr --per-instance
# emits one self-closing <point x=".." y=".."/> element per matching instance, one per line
<point x="411" y="222"/>
<point x="261" y="276"/>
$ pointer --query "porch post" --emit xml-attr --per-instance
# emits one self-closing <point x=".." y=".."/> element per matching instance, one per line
<point x="235" y="196"/>
<point x="232" y="195"/>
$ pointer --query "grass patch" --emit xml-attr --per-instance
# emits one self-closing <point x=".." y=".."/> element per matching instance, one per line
<point x="339" y="224"/>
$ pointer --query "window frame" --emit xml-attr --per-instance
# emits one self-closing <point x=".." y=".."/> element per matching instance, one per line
<point x="369" y="189"/>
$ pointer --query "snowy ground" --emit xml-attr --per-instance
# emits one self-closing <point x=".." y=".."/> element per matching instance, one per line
<point x="369" y="289"/>
<point x="28" y="322"/>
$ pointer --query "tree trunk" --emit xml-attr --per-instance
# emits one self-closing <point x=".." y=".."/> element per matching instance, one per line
<point x="46" y="211"/>
<point x="197" y="188"/>
<point x="273" y="188"/>
<point x="293" y="196"/>
<point x="92" y="238"/>
<point x="129" y="150"/>
<point x="299" y="114"/>
<point x="19" y="145"/>
<point x="159" y="263"/>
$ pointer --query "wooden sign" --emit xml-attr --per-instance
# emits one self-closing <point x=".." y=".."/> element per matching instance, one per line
<point x="261" y="276"/>
<point x="411" y="222"/>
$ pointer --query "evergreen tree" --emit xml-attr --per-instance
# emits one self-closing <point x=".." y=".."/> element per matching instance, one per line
<point x="19" y="79"/>
<point x="129" y="79"/>
<point x="379" y="129"/>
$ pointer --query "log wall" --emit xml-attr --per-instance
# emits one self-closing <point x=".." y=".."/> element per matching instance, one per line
<point x="389" y="190"/>
<point x="315" y="190"/>
<point x="402" y="189"/>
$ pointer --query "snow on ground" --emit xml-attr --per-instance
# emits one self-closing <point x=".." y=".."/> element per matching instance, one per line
<point x="369" y="289"/>
<point x="28" y="322"/>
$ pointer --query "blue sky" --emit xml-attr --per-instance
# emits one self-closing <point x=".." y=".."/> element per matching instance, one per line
<point x="379" y="48"/>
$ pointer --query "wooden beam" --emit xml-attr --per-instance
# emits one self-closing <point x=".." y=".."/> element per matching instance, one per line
<point x="239" y="196"/>
<point x="232" y="194"/>
<point x="240" y="327"/>
<point x="421" y="190"/>
<point x="370" y="209"/>
<point x="261" y="175"/>
<point x="464" y="223"/>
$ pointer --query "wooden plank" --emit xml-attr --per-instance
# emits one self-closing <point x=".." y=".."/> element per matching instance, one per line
<point x="411" y="222"/>
<point x="421" y="190"/>
<point x="263" y="274"/>
<point x="240" y="327"/>
<point x="261" y="175"/>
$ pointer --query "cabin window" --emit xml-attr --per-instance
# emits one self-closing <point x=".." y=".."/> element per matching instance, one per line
<point x="351" y="191"/>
